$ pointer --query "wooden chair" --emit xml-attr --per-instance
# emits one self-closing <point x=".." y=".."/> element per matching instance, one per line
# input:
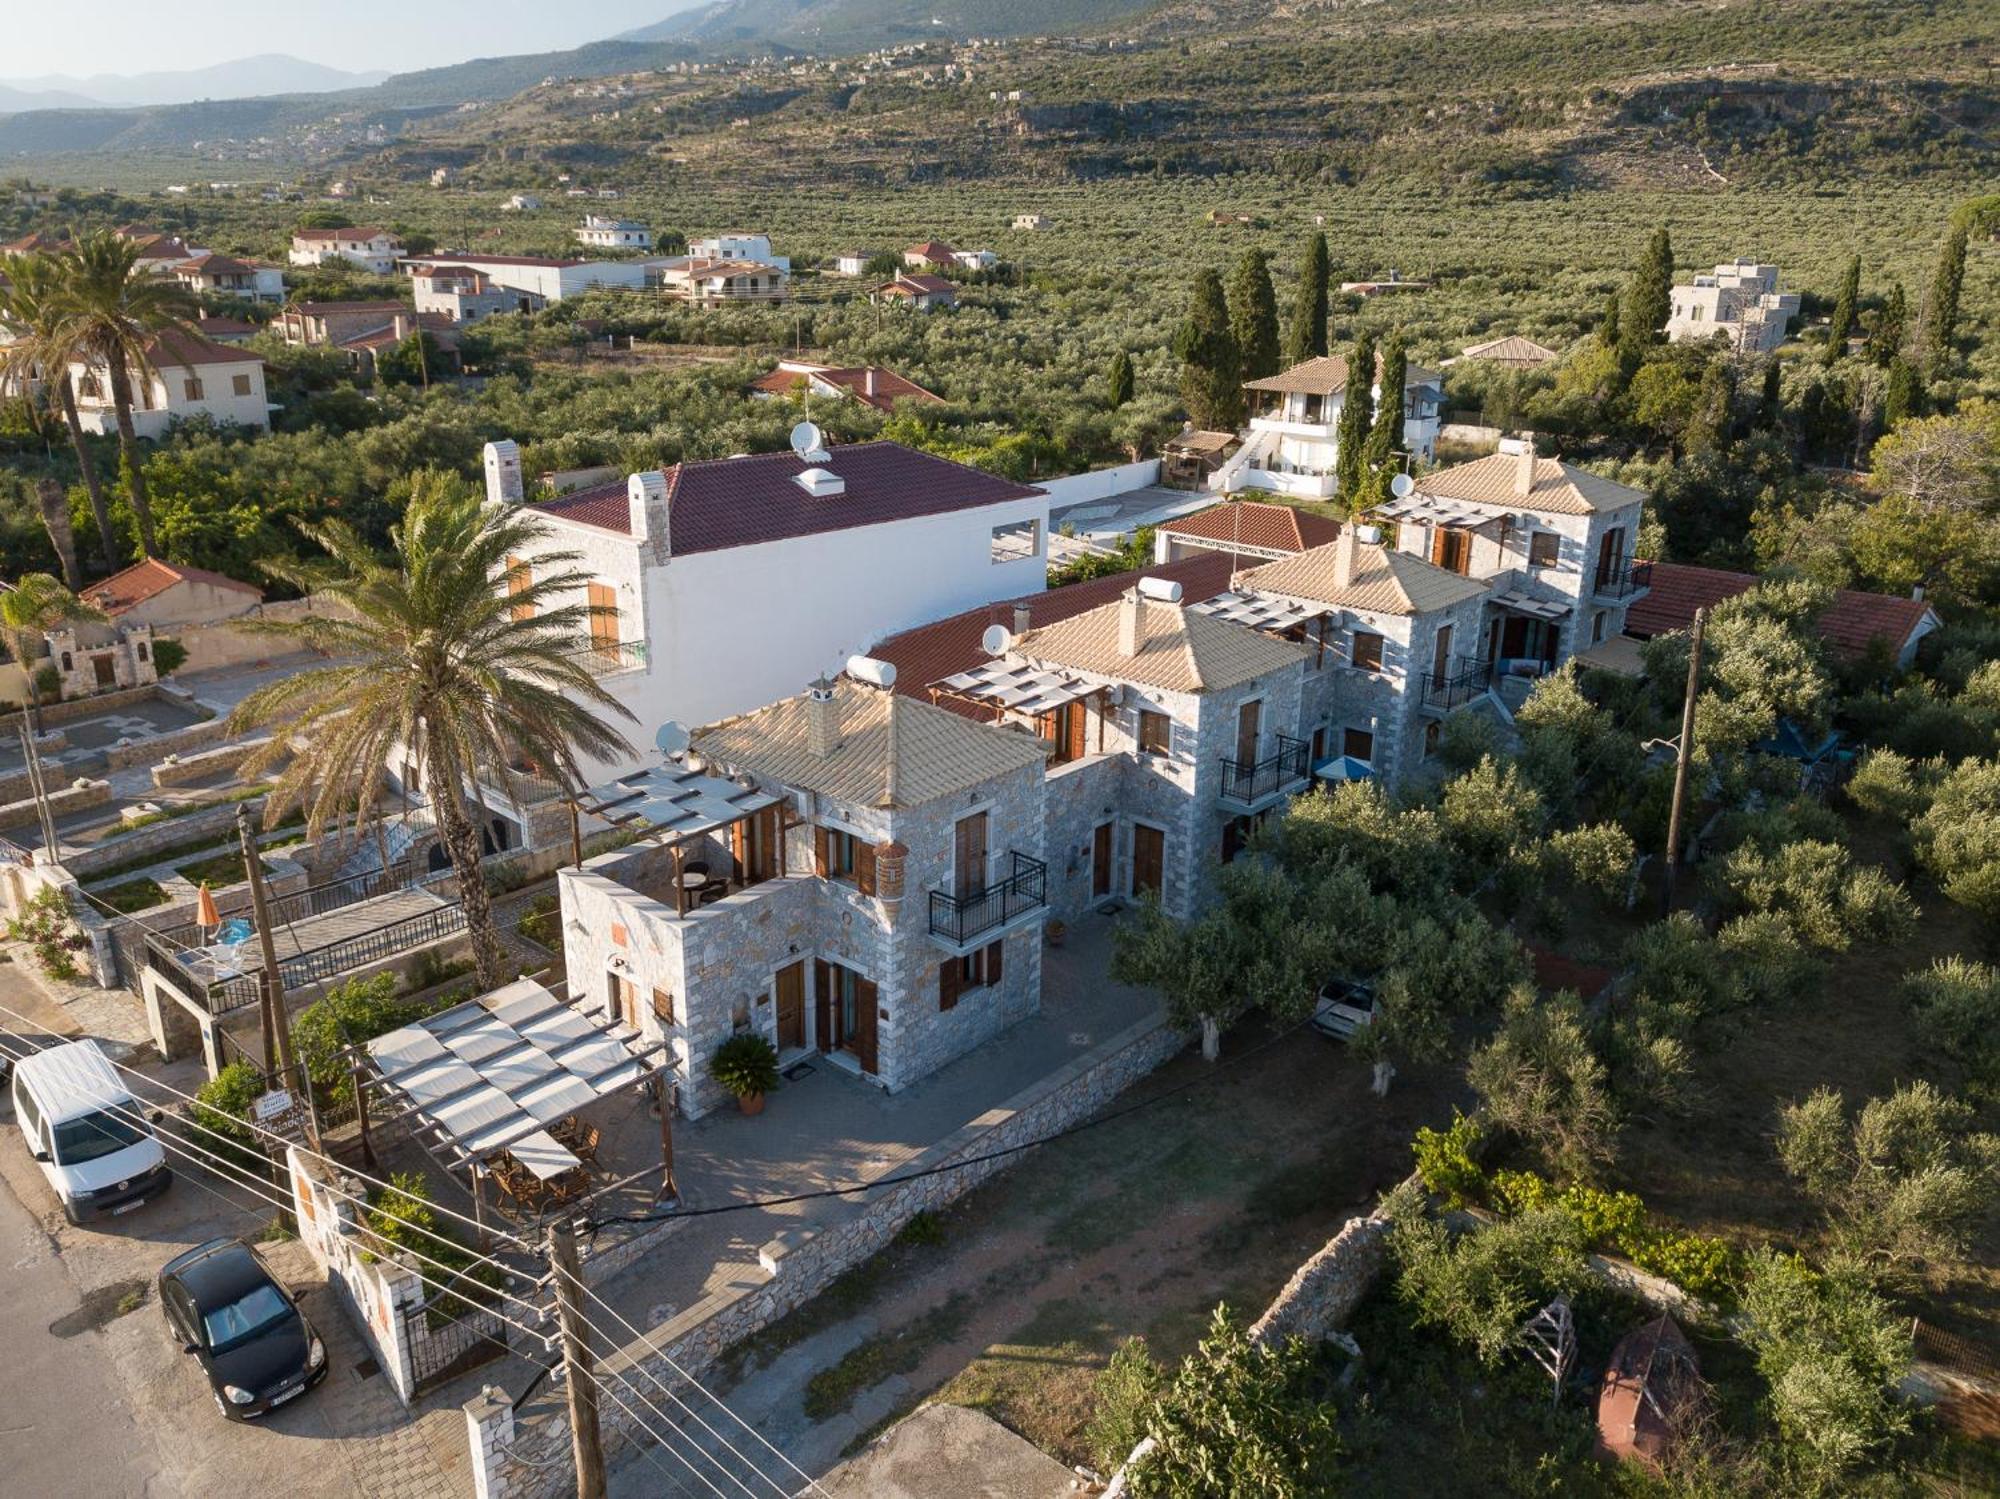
<point x="585" y="1142"/>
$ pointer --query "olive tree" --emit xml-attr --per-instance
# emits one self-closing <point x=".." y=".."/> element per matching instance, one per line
<point x="1480" y="1286"/>
<point x="1958" y="837"/>
<point x="1956" y="1004"/>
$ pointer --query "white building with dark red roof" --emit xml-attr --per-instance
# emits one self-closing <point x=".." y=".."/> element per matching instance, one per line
<point x="545" y="277"/>
<point x="186" y="376"/>
<point x="722" y="584"/>
<point x="210" y="274"/>
<point x="921" y="291"/>
<point x="869" y="384"/>
<point x="373" y="250"/>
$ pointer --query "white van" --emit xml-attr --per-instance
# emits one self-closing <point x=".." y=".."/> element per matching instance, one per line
<point x="87" y="1131"/>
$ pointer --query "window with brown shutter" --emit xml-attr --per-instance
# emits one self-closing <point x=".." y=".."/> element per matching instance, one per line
<point x="520" y="578"/>
<point x="1367" y="651"/>
<point x="950" y="982"/>
<point x="993" y="951"/>
<point x="864" y="867"/>
<point x="819" y="852"/>
<point x="663" y="1007"/>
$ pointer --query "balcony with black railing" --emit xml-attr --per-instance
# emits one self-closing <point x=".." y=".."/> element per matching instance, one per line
<point x="1464" y="679"/>
<point x="1252" y="785"/>
<point x="961" y="921"/>
<point x="1622" y="578"/>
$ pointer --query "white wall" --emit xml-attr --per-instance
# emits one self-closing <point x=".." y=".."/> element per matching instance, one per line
<point x="165" y="400"/>
<point x="1100" y="483"/>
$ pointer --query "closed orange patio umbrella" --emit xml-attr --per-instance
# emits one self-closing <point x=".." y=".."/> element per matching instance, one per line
<point x="204" y="910"/>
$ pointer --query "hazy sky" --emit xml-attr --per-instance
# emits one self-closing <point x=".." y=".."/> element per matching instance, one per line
<point x="142" y="36"/>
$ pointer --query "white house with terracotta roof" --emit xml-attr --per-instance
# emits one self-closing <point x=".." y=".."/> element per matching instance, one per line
<point x="168" y="594"/>
<point x="1293" y="438"/>
<point x="930" y="255"/>
<point x="209" y="274"/>
<point x="722" y="584"/>
<point x="373" y="250"/>
<point x="869" y="384"/>
<point x="1250" y="529"/>
<point x="545" y="277"/>
<point x="924" y="292"/>
<point x="697" y="278"/>
<point x="462" y="294"/>
<point x="186" y="376"/>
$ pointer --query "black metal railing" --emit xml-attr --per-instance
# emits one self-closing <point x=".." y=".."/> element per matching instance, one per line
<point x="1250" y="781"/>
<point x="959" y="918"/>
<point x="1462" y="681"/>
<point x="1622" y="578"/>
<point x="611" y="655"/>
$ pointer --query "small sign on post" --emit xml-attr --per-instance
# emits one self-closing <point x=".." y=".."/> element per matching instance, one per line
<point x="278" y="1111"/>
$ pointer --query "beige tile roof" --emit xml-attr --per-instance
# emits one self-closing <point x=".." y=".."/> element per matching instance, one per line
<point x="1179" y="649"/>
<point x="1513" y="349"/>
<point x="1559" y="488"/>
<point x="1327" y="375"/>
<point x="1385" y="581"/>
<point x="936" y="753"/>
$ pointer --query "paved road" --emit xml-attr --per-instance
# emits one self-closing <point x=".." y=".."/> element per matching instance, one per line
<point x="66" y="1424"/>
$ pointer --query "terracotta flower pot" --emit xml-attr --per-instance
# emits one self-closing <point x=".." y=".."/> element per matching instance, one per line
<point x="751" y="1103"/>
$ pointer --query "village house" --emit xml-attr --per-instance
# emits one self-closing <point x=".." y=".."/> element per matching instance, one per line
<point x="1854" y="624"/>
<point x="1293" y="441"/>
<point x="846" y="872"/>
<point x="373" y="250"/>
<point x="227" y="276"/>
<point x="975" y="260"/>
<point x="521" y="203"/>
<point x="604" y="232"/>
<point x="930" y="255"/>
<point x="1512" y="352"/>
<point x="853" y="262"/>
<point x="1739" y="300"/>
<point x="1396" y="282"/>
<point x="721" y="584"/>
<point x="461" y="294"/>
<point x="738" y="246"/>
<point x="697" y="278"/>
<point x="225" y="330"/>
<point x="1249" y="529"/>
<point x="543" y="277"/>
<point x="165" y="595"/>
<point x="185" y="376"/>
<point x="924" y="292"/>
<point x="869" y="384"/>
<point x="1031" y="221"/>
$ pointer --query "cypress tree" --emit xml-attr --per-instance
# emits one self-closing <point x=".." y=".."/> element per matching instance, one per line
<point x="1841" y="328"/>
<point x="1357" y="415"/>
<point x="1947" y="283"/>
<point x="1771" y="408"/>
<point x="1211" y="389"/>
<point x="1118" y="379"/>
<point x="1607" y="330"/>
<point x="1649" y="295"/>
<point x="1904" y="395"/>
<point x="1885" y="341"/>
<point x="1306" y="337"/>
<point x="1389" y="405"/>
<point x="1253" y="315"/>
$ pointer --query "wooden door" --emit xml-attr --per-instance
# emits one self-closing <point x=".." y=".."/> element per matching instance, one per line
<point x="1609" y="554"/>
<point x="1077" y="731"/>
<point x="1149" y="859"/>
<point x="603" y="600"/>
<point x="1441" y="656"/>
<point x="862" y="1042"/>
<point x="520" y="578"/>
<point x="823" y="1036"/>
<point x="1100" y="861"/>
<point x="107" y="672"/>
<point x="1249" y="719"/>
<point x="969" y="866"/>
<point x="791" y="987"/>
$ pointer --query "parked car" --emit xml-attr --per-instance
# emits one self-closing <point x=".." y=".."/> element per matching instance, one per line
<point x="249" y="1336"/>
<point x="1344" y="1007"/>
<point x="91" y="1137"/>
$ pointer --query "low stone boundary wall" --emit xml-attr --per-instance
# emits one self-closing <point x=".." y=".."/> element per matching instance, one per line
<point x="87" y="707"/>
<point x="154" y="748"/>
<point x="183" y="770"/>
<point x="74" y="797"/>
<point x="1323" y="1292"/>
<point x="210" y="822"/>
<point x="804" y="1264"/>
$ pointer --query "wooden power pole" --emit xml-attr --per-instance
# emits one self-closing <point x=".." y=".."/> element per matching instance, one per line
<point x="1681" y="758"/>
<point x="579" y="1372"/>
<point x="277" y="1024"/>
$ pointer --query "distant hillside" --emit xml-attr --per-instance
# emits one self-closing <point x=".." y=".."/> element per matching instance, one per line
<point x="242" y="78"/>
<point x="824" y="26"/>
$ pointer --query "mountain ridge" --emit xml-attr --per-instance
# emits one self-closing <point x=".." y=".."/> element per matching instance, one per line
<point x="260" y="75"/>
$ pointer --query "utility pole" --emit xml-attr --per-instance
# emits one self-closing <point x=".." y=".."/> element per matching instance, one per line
<point x="277" y="1024"/>
<point x="579" y="1375"/>
<point x="1681" y="759"/>
<point x="38" y="788"/>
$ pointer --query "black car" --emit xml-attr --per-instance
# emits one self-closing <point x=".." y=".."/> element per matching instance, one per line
<point x="254" y="1344"/>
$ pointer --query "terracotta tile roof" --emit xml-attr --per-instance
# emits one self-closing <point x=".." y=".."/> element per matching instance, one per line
<point x="174" y="351"/>
<point x="936" y="753"/>
<point x="1385" y="581"/>
<point x="358" y="231"/>
<point x="1252" y="523"/>
<point x="943" y="648"/>
<point x="890" y="387"/>
<point x="474" y="262"/>
<point x="1327" y="375"/>
<point x="1559" y="488"/>
<point x="224" y="327"/>
<point x="1180" y="650"/>
<point x="345" y="309"/>
<point x="932" y="249"/>
<point x="1202" y="442"/>
<point x="1851" y="623"/>
<point x="1513" y="349"/>
<point x="918" y="286"/>
<point x="126" y="590"/>
<point x="215" y="265"/>
<point x="717" y="503"/>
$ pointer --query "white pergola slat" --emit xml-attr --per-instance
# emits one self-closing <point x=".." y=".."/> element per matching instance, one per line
<point x="1026" y="689"/>
<point x="1528" y="604"/>
<point x="1259" y="611"/>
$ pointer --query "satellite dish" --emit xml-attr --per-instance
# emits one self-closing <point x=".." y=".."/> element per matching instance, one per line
<point x="806" y="439"/>
<point x="672" y="739"/>
<point x="994" y="641"/>
<point x="1401" y="485"/>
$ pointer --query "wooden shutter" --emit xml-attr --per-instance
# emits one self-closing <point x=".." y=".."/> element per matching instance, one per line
<point x="993" y="951"/>
<point x="1078" y="724"/>
<point x="950" y="982"/>
<point x="823" y="1003"/>
<point x="863" y="1040"/>
<point x="819" y="851"/>
<point x="663" y="1007"/>
<point x="864" y="867"/>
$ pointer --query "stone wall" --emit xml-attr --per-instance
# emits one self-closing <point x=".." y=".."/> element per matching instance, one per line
<point x="802" y="1265"/>
<point x="73" y="797"/>
<point x="213" y="823"/>
<point x="1323" y="1292"/>
<point x="156" y="747"/>
<point x="182" y="770"/>
<point x="88" y="707"/>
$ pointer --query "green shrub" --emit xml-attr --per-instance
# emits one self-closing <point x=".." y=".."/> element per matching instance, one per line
<point x="47" y="925"/>
<point x="168" y="656"/>
<point x="141" y="894"/>
<point x="1446" y="1162"/>
<point x="1125" y="1389"/>
<point x="1480" y="1286"/>
<point x="401" y="1217"/>
<point x="542" y="922"/>
<point x="222" y="1112"/>
<point x="350" y="1015"/>
<point x="1616" y="1221"/>
<point x="1698" y="1264"/>
<point x="746" y="1065"/>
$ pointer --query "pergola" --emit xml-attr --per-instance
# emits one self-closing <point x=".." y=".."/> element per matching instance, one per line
<point x="493" y="1074"/>
<point x="678" y="802"/>
<point x="1286" y="618"/>
<point x="1035" y="692"/>
<point x="1437" y="510"/>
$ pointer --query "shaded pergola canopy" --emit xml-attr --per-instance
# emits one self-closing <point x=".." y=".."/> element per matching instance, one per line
<point x="675" y="800"/>
<point x="1017" y="687"/>
<point x="489" y="1073"/>
<point x="1528" y="604"/>
<point x="1261" y="611"/>
<point x="1432" y="510"/>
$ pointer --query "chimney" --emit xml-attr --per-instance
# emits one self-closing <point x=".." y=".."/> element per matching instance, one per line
<point x="503" y="472"/>
<point x="1130" y="610"/>
<point x="1343" y="555"/>
<point x="1524" y="466"/>
<point x="822" y="718"/>
<point x="1023" y="620"/>
<point x="646" y="497"/>
<point x="868" y="379"/>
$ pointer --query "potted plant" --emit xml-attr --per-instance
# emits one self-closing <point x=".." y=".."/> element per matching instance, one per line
<point x="746" y="1066"/>
<point x="1055" y="931"/>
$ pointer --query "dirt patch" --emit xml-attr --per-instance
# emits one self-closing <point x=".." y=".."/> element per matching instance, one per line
<point x="101" y="1307"/>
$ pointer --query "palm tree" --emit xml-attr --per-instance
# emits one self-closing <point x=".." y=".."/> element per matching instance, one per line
<point x="119" y="313"/>
<point x="45" y="344"/>
<point x="53" y="501"/>
<point x="35" y="605"/>
<point x="430" y="658"/>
